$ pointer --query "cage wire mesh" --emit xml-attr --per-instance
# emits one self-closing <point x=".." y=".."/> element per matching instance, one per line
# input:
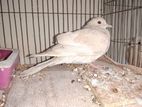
<point x="30" y="25"/>
<point x="126" y="35"/>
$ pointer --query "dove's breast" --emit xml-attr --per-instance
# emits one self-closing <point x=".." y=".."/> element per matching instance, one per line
<point x="97" y="40"/>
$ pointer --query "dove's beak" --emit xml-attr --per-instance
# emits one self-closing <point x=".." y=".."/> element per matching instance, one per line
<point x="109" y="26"/>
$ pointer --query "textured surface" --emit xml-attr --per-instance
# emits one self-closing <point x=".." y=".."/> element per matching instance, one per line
<point x="53" y="87"/>
<point x="116" y="85"/>
<point x="113" y="84"/>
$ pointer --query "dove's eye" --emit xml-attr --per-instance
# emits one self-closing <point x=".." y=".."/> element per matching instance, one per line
<point x="99" y="22"/>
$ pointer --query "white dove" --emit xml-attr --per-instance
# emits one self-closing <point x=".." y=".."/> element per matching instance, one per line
<point x="77" y="47"/>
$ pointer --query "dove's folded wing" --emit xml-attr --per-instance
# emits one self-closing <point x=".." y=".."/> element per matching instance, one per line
<point x="94" y="40"/>
<point x="67" y="38"/>
<point x="63" y="50"/>
<point x="81" y="42"/>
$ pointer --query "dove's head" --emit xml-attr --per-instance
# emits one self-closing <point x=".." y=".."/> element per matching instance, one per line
<point x="97" y="22"/>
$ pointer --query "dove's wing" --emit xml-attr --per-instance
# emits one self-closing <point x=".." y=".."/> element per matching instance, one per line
<point x="67" y="38"/>
<point x="94" y="39"/>
<point x="81" y="42"/>
<point x="63" y="50"/>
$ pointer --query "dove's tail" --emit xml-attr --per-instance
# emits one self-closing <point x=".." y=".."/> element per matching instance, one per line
<point x="38" y="67"/>
<point x="39" y="55"/>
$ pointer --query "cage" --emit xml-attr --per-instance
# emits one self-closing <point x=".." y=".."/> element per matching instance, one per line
<point x="31" y="25"/>
<point x="126" y="35"/>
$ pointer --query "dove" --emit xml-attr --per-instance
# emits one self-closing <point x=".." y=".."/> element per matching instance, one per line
<point x="82" y="46"/>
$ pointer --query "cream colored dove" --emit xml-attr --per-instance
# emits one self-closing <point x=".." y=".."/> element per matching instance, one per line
<point x="82" y="46"/>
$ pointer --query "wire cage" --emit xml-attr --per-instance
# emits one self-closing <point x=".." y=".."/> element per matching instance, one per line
<point x="30" y="25"/>
<point x="126" y="35"/>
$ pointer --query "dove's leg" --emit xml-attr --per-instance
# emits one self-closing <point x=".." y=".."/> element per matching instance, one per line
<point x="38" y="67"/>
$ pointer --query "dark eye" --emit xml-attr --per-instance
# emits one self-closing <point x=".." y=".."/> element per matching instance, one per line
<point x="139" y="43"/>
<point x="99" y="22"/>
